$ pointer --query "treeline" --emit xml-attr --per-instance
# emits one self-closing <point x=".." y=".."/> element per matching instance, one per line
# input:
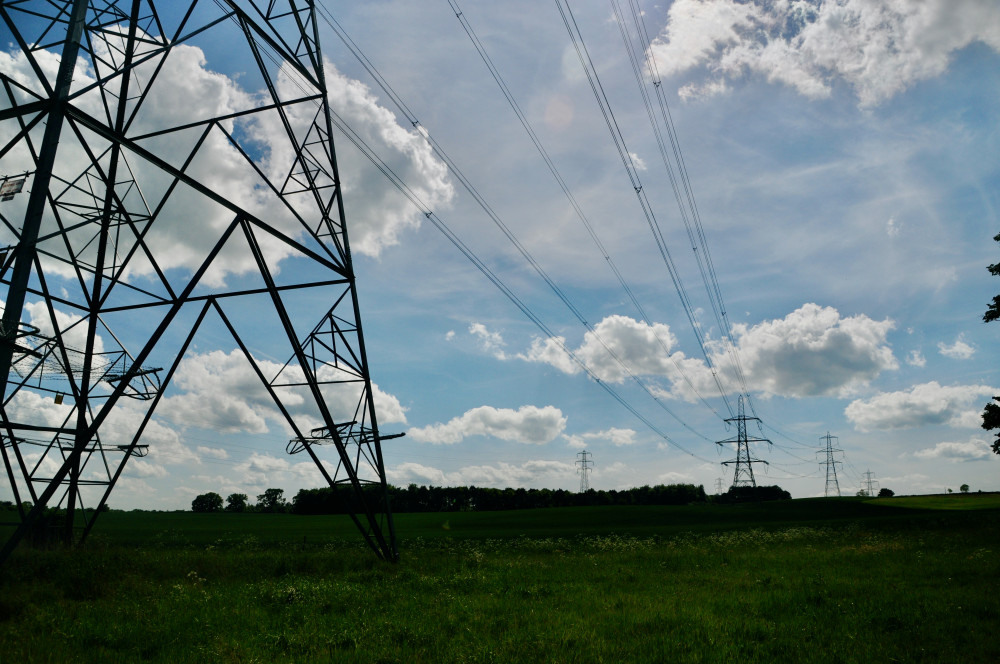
<point x="415" y="498"/>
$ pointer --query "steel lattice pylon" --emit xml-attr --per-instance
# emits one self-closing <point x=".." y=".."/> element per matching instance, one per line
<point x="832" y="485"/>
<point x="148" y="221"/>
<point x="743" y="474"/>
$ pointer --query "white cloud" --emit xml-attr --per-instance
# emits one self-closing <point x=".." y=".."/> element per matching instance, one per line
<point x="527" y="424"/>
<point x="975" y="449"/>
<point x="893" y="228"/>
<point x="212" y="452"/>
<point x="916" y="359"/>
<point x="378" y="213"/>
<point x="878" y="47"/>
<point x="143" y="468"/>
<point x="616" y="344"/>
<point x="187" y="90"/>
<point x="958" y="350"/>
<point x="220" y="391"/>
<point x="925" y="404"/>
<point x="491" y="342"/>
<point x="615" y="436"/>
<point x="535" y="473"/>
<point x="811" y="352"/>
<point x="674" y="478"/>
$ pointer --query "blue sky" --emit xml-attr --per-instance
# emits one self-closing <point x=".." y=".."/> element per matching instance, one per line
<point x="843" y="157"/>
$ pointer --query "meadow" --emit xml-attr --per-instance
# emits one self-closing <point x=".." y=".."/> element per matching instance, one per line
<point x="910" y="579"/>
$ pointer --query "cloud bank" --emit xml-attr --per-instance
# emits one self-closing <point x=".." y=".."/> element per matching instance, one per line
<point x="813" y="351"/>
<point x="877" y="47"/>
<point x="925" y="404"/>
<point x="528" y="424"/>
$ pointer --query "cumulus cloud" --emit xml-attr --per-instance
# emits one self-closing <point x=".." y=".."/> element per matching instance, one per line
<point x="491" y="342"/>
<point x="958" y="350"/>
<point x="188" y="90"/>
<point x="536" y="473"/>
<point x="916" y="359"/>
<point x="615" y="436"/>
<point x="528" y="424"/>
<point x="877" y="47"/>
<point x="974" y="449"/>
<point x="220" y="391"/>
<point x="617" y="344"/>
<point x="813" y="351"/>
<point x="212" y="452"/>
<point x="925" y="404"/>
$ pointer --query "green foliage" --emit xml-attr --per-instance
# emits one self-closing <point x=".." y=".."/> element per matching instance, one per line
<point x="964" y="488"/>
<point x="757" y="593"/>
<point x="753" y="494"/>
<point x="886" y="493"/>
<point x="272" y="500"/>
<point x="237" y="502"/>
<point x="207" y="502"/>
<point x="991" y="420"/>
<point x="993" y="310"/>
<point x="415" y="498"/>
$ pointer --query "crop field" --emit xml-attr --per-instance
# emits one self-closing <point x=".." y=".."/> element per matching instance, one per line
<point x="911" y="579"/>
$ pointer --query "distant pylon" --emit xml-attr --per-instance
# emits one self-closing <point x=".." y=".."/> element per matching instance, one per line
<point x="831" y="465"/>
<point x="718" y="485"/>
<point x="585" y="463"/>
<point x="743" y="475"/>
<point x="868" y="484"/>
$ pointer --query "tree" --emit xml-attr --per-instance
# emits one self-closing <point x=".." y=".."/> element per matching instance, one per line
<point x="207" y="502"/>
<point x="886" y="493"/>
<point x="964" y="488"/>
<point x="991" y="420"/>
<point x="236" y="502"/>
<point x="991" y="414"/>
<point x="271" y="501"/>
<point x="993" y="310"/>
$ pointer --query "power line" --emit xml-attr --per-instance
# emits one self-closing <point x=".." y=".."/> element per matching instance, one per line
<point x="590" y="70"/>
<point x="553" y="169"/>
<point x="473" y="191"/>
<point x="396" y="181"/>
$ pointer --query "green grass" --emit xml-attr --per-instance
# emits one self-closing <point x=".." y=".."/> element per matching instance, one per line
<point x="844" y="580"/>
<point x="950" y="501"/>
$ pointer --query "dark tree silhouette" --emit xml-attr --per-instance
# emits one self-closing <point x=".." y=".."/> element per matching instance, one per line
<point x="272" y="500"/>
<point x="236" y="502"/>
<point x="991" y="414"/>
<point x="993" y="311"/>
<point x="991" y="420"/>
<point x="207" y="502"/>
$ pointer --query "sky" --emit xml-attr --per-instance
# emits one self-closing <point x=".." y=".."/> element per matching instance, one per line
<point x="842" y="157"/>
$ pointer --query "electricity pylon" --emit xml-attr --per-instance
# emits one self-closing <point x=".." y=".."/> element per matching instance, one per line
<point x="868" y="484"/>
<point x="155" y="219"/>
<point x="743" y="474"/>
<point x="831" y="465"/>
<point x="585" y="462"/>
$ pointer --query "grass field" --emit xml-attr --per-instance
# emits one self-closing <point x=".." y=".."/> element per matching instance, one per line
<point x="843" y="580"/>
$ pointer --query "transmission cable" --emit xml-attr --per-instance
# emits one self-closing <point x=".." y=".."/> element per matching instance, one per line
<point x="540" y="147"/>
<point x="705" y="264"/>
<point x="403" y="188"/>
<point x="480" y="200"/>
<point x="627" y="161"/>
